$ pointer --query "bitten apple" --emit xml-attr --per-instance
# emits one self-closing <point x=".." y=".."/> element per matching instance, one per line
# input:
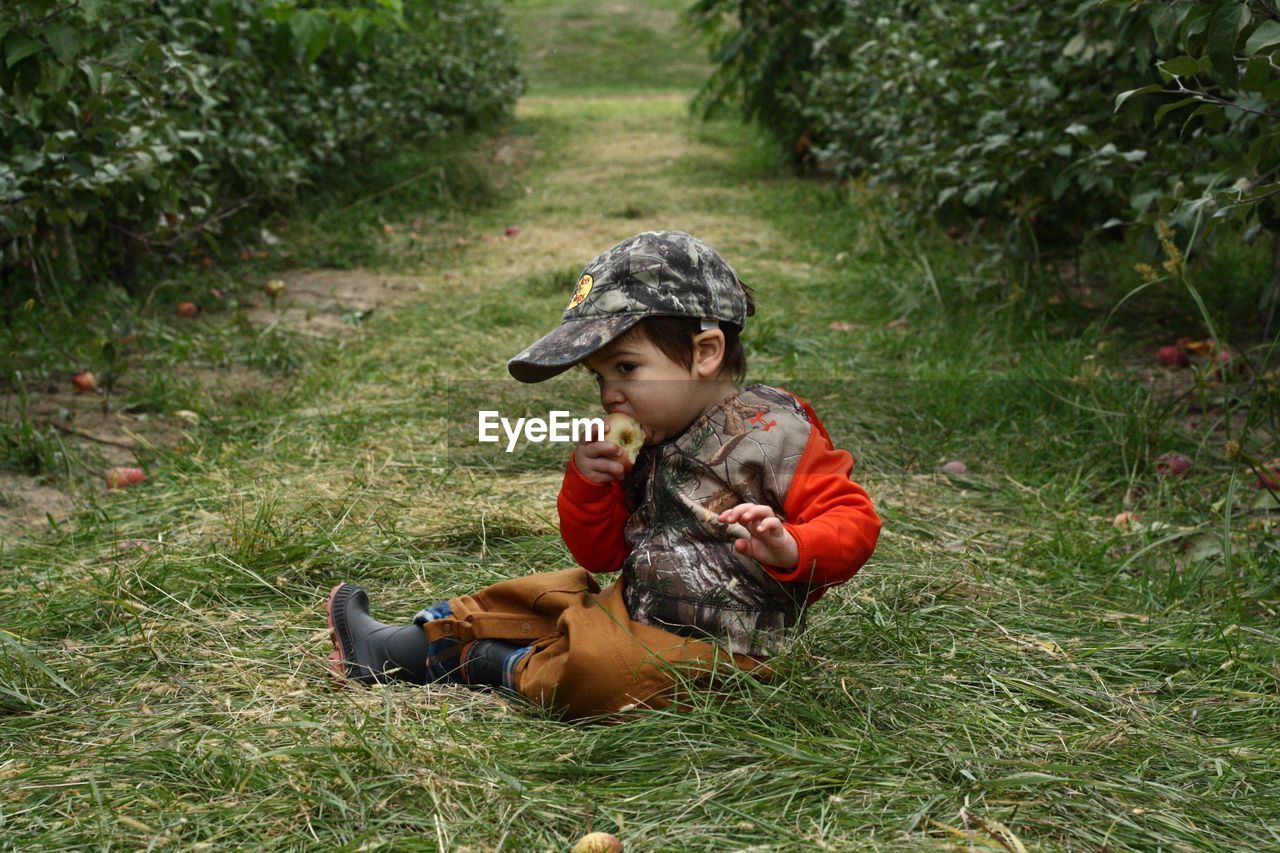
<point x="84" y="383"/>
<point x="626" y="432"/>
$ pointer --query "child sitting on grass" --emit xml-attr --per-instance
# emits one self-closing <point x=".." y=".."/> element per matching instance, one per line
<point x="737" y="514"/>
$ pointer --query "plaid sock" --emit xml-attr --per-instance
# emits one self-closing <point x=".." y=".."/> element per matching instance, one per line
<point x="509" y="667"/>
<point x="432" y="613"/>
<point x="444" y="656"/>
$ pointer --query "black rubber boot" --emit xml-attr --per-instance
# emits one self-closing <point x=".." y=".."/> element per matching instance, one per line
<point x="483" y="662"/>
<point x="369" y="651"/>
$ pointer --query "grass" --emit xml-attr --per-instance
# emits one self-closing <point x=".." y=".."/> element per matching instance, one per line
<point x="583" y="47"/>
<point x="1010" y="670"/>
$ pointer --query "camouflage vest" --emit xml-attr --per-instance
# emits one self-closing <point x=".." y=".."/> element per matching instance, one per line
<point x="682" y="573"/>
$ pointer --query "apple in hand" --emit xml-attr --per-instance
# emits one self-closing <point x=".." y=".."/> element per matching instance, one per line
<point x="626" y="432"/>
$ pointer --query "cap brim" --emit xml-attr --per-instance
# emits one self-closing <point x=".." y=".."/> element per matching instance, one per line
<point x="568" y="344"/>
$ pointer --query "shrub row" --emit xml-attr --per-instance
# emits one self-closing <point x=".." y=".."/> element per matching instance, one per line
<point x="135" y="126"/>
<point x="1018" y="111"/>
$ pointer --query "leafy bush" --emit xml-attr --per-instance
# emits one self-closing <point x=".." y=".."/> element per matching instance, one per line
<point x="971" y="109"/>
<point x="135" y="126"/>
<point x="1222" y="63"/>
<point x="1009" y="111"/>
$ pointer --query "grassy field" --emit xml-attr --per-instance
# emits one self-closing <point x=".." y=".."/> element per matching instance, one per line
<point x="1011" y="671"/>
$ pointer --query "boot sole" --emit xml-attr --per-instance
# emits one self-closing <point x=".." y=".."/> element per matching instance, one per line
<point x="338" y="668"/>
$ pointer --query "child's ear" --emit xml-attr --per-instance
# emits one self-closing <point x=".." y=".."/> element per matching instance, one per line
<point x="708" y="353"/>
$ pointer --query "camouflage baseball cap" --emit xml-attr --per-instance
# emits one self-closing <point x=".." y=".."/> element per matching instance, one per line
<point x="654" y="274"/>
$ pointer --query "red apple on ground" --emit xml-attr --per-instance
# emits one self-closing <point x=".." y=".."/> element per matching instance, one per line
<point x="1225" y="363"/>
<point x="626" y="432"/>
<point x="84" y="383"/>
<point x="512" y="230"/>
<point x="597" y="842"/>
<point x="1173" y="464"/>
<point x="187" y="309"/>
<point x="1172" y="356"/>
<point x="1269" y="474"/>
<point x="120" y="478"/>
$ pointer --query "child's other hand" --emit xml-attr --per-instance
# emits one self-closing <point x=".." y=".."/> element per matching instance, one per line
<point x="770" y="542"/>
<point x="599" y="461"/>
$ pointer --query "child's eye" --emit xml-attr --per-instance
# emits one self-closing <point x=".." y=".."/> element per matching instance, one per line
<point x="625" y="367"/>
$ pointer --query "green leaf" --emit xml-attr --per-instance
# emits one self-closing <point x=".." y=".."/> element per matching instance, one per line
<point x="1266" y="35"/>
<point x="1213" y="114"/>
<point x="63" y="41"/>
<point x="310" y="34"/>
<point x="1180" y="66"/>
<point x="1220" y="40"/>
<point x="1196" y="21"/>
<point x="1256" y="75"/>
<point x="1168" y="108"/>
<point x="1143" y="90"/>
<point x="1260" y="148"/>
<point x="1166" y="20"/>
<point x="1141" y="201"/>
<point x="18" y="47"/>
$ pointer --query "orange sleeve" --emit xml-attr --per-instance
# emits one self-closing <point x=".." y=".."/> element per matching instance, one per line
<point x="831" y="517"/>
<point x="592" y="517"/>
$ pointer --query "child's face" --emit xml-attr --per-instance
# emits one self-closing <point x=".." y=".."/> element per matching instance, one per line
<point x="641" y="380"/>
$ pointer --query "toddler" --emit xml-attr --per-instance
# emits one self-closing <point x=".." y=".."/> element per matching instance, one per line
<point x="736" y="515"/>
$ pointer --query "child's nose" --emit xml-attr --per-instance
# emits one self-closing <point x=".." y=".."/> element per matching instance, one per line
<point x="611" y="395"/>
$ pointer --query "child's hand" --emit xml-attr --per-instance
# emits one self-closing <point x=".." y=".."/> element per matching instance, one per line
<point x="599" y="461"/>
<point x="770" y="542"/>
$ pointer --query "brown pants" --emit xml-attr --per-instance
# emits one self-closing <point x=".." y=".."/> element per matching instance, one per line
<point x="588" y="656"/>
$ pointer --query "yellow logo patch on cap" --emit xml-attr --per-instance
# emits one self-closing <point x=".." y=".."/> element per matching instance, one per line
<point x="580" y="293"/>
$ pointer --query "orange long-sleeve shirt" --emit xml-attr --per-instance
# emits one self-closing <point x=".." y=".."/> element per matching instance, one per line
<point x="830" y="517"/>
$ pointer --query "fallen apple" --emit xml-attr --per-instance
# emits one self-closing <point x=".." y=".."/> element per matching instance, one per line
<point x="1269" y="475"/>
<point x="1173" y="464"/>
<point x="1226" y="365"/>
<point x="1172" y="356"/>
<point x="84" y="383"/>
<point x="187" y="309"/>
<point x="120" y="478"/>
<point x="955" y="468"/>
<point x="597" y="842"/>
<point x="626" y="432"/>
<point x="1203" y="348"/>
<point x="274" y="288"/>
<point x="1124" y="519"/>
